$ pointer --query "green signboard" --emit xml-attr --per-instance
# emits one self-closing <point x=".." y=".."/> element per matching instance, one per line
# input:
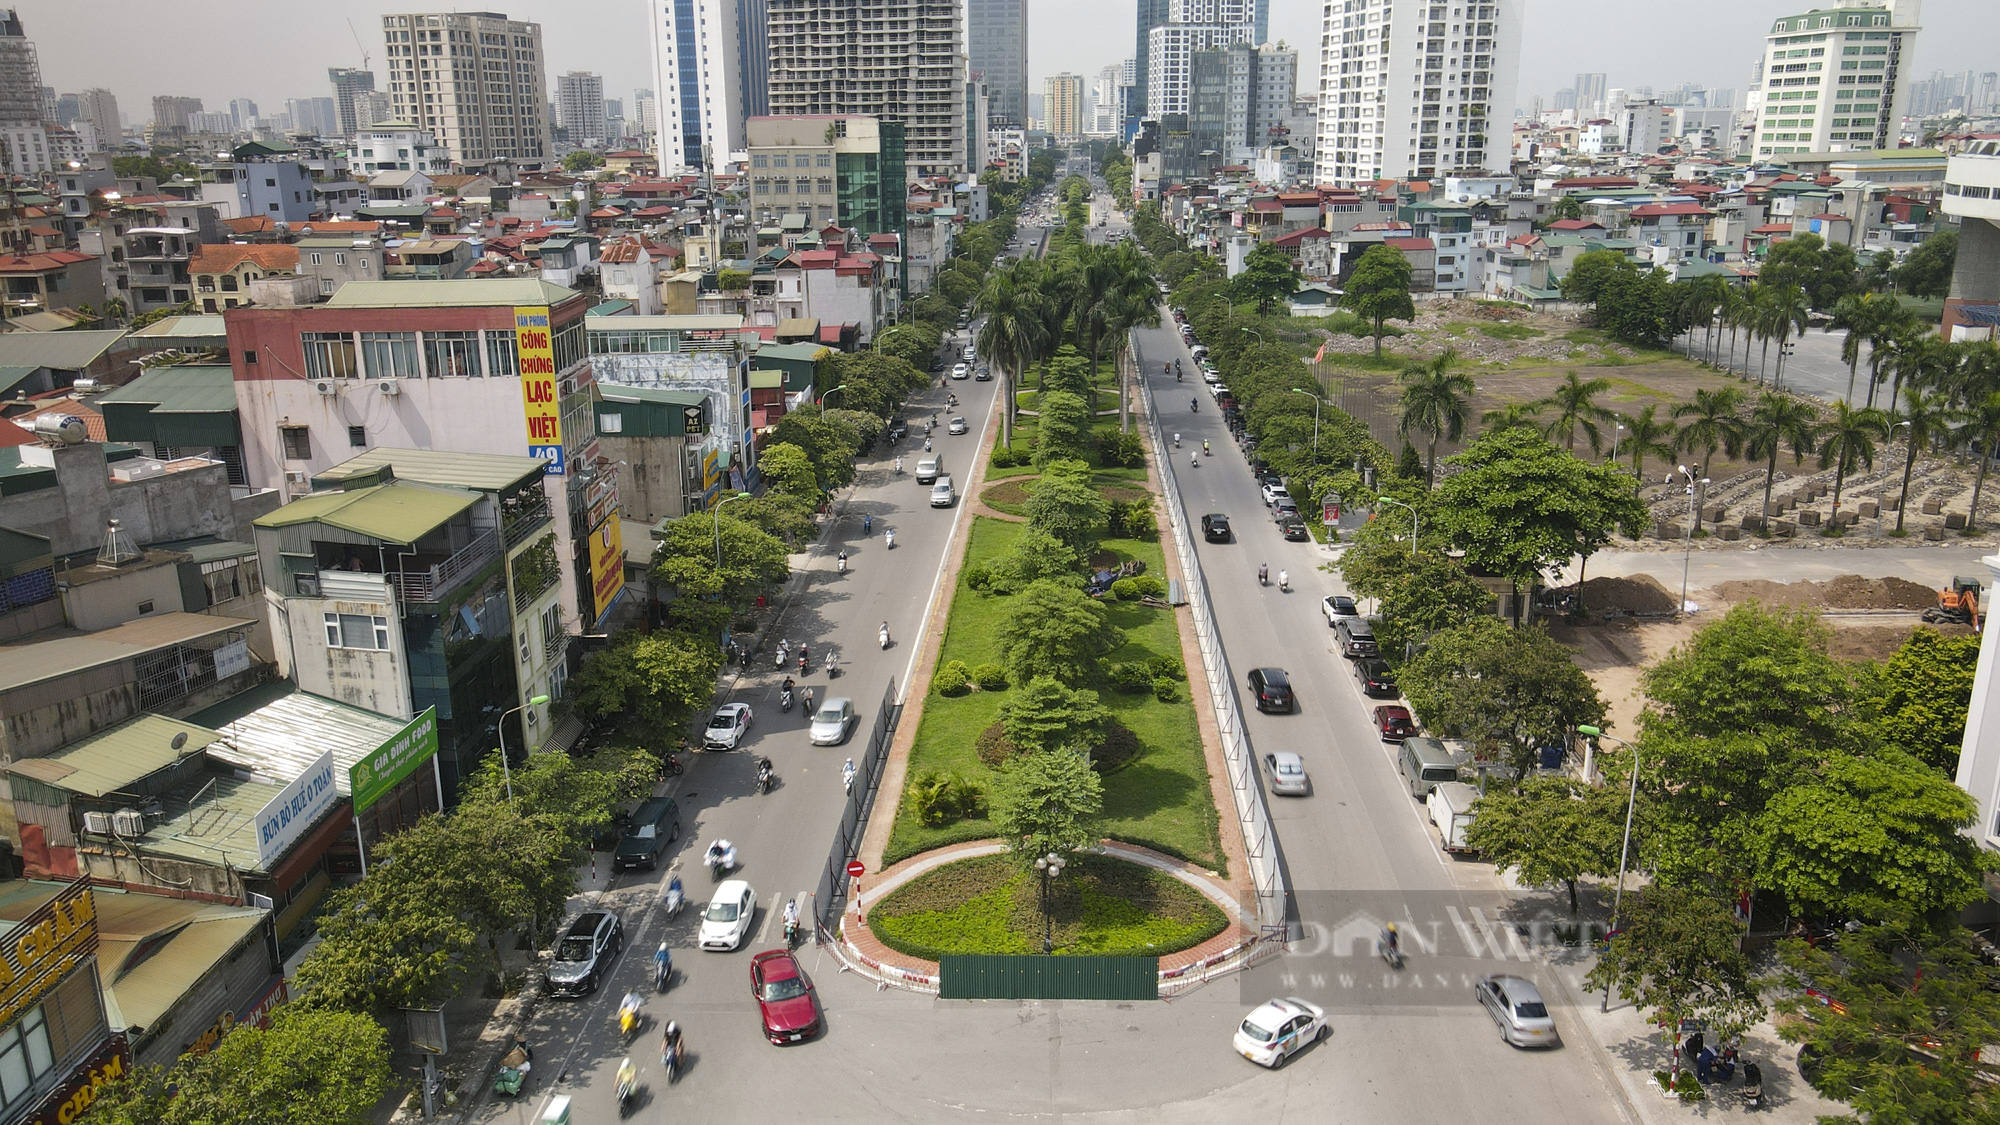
<point x="390" y="763"/>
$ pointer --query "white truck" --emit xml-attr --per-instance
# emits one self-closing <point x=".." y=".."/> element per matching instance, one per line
<point x="1451" y="812"/>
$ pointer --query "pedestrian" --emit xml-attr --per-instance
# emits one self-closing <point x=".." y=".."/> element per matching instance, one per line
<point x="1704" y="1065"/>
<point x="1692" y="1049"/>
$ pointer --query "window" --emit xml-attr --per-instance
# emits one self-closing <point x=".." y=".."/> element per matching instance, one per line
<point x="329" y="355"/>
<point x="357" y="436"/>
<point x="390" y="355"/>
<point x="451" y="353"/>
<point x="500" y="353"/>
<point x="230" y="579"/>
<point x="250" y="357"/>
<point x="25" y="1058"/>
<point x="355" y="630"/>
<point x="229" y="283"/>
<point x="610" y="423"/>
<point x="297" y="441"/>
<point x="568" y="344"/>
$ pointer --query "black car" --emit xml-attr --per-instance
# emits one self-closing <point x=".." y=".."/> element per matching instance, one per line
<point x="1215" y="527"/>
<point x="1375" y="678"/>
<point x="1295" y="530"/>
<point x="899" y="428"/>
<point x="1273" y="690"/>
<point x="583" y="954"/>
<point x="937" y="363"/>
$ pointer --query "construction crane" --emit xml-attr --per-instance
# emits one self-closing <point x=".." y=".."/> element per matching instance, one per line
<point x="358" y="43"/>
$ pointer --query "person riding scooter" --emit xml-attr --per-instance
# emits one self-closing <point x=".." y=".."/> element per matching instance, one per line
<point x="672" y="1049"/>
<point x="1263" y="575"/>
<point x="663" y="967"/>
<point x="676" y="896"/>
<point x="628" y="1013"/>
<point x="628" y="1082"/>
<point x="785" y="694"/>
<point x="764" y="775"/>
<point x="1285" y="580"/>
<point x="841" y="562"/>
<point x="1391" y="946"/>
<point x="720" y="858"/>
<point x="791" y="923"/>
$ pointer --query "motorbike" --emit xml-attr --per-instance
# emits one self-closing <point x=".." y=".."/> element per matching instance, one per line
<point x="1285" y="581"/>
<point x="630" y="1017"/>
<point x="628" y="1086"/>
<point x="514" y="1066"/>
<point x="1752" y="1091"/>
<point x="791" y="930"/>
<point x="1393" y="954"/>
<point x="1263" y="576"/>
<point x="832" y="666"/>
<point x="670" y="1059"/>
<point x="1204" y="445"/>
<point x="671" y="766"/>
<point x="784" y="650"/>
<point x="889" y="540"/>
<point x="868" y="521"/>
<point x="883" y="634"/>
<point x="1177" y="441"/>
<point x="805" y="663"/>
<point x="847" y="777"/>
<point x="663" y="968"/>
<point x="764" y="777"/>
<point x="841" y="563"/>
<point x="720" y="859"/>
<point x="1194" y="406"/>
<point x="1194" y="460"/>
<point x="676" y="898"/>
<point x="785" y="700"/>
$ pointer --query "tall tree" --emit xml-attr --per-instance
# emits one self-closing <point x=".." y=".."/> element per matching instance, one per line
<point x="1574" y="404"/>
<point x="1980" y="429"/>
<point x="1013" y="335"/>
<point x="1048" y="802"/>
<point x="1510" y="690"/>
<point x="1648" y="435"/>
<point x="1784" y="316"/>
<point x="1928" y="415"/>
<point x="1550" y="830"/>
<point x="1043" y="716"/>
<point x="1777" y="422"/>
<point x="309" y="1067"/>
<point x="1379" y="289"/>
<point x="1857" y="314"/>
<point x="1926" y="271"/>
<point x="1056" y="630"/>
<point x="1436" y="400"/>
<point x="1847" y="442"/>
<point x="1712" y="421"/>
<point x="1269" y="276"/>
<point x="1678" y="956"/>
<point x="1524" y="415"/>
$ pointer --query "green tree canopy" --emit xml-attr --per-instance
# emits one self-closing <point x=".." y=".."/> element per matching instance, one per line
<point x="1926" y="271"/>
<point x="1044" y="716"/>
<point x="1064" y="504"/>
<point x="1056" y="630"/>
<point x="1592" y="272"/>
<point x="1509" y="690"/>
<point x="1917" y="700"/>
<point x="1826" y="273"/>
<point x="1047" y="802"/>
<point x="1552" y="830"/>
<point x="1064" y="429"/>
<point x="659" y="679"/>
<point x="1379" y="289"/>
<point x="1269" y="276"/>
<point x="1425" y="594"/>
<point x="582" y="160"/>
<point x="1678" y="956"/>
<point x="310" y="1067"/>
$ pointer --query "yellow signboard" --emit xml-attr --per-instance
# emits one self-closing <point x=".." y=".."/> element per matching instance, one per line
<point x="541" y="398"/>
<point x="607" y="561"/>
<point x="42" y="948"/>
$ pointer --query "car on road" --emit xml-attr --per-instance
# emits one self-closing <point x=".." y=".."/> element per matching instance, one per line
<point x="1288" y="774"/>
<point x="832" y="722"/>
<point x="1272" y="689"/>
<point x="1338" y="608"/>
<point x="941" y="494"/>
<point x="928" y="469"/>
<point x="1273" y="491"/>
<point x="899" y="428"/>
<point x="984" y="374"/>
<point x="584" y="953"/>
<point x="726" y="727"/>
<point x="654" y="824"/>
<point x="937" y="363"/>
<point x="960" y="371"/>
<point x="1394" y="724"/>
<point x="1215" y="527"/>
<point x="726" y="922"/>
<point x="1517" y="1008"/>
<point x="1375" y="678"/>
<point x="1294" y="529"/>
<point x="968" y="353"/>
<point x="1278" y="1029"/>
<point x="1284" y="508"/>
<point x="786" y="1001"/>
<point x="957" y="426"/>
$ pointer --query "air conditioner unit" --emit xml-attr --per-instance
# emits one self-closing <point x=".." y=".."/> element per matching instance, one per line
<point x="128" y="822"/>
<point x="97" y="823"/>
<point x="297" y="477"/>
<point x="327" y="387"/>
<point x="391" y="386"/>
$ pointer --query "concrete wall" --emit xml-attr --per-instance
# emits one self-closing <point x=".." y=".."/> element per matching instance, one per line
<point x="113" y="599"/>
<point x="649" y="485"/>
<point x="182" y="504"/>
<point x="375" y="680"/>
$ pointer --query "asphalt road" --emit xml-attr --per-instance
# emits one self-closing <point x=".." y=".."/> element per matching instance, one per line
<point x="1815" y="367"/>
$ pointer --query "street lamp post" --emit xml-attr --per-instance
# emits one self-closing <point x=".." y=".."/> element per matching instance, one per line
<point x="1413" y="520"/>
<point x="1624" y="849"/>
<point x="506" y="768"/>
<point x="718" y="524"/>
<point x="1617" y="436"/>
<point x="1317" y="403"/>
<point x="830" y="394"/>
<point x="1695" y="486"/>
<point x="1049" y="866"/>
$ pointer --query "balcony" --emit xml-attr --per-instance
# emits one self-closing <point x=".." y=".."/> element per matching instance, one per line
<point x="519" y="525"/>
<point x="429" y="585"/>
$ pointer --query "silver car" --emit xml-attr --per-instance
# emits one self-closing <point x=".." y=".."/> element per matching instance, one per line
<point x="1288" y="774"/>
<point x="1516" y="1005"/>
<point x="832" y="721"/>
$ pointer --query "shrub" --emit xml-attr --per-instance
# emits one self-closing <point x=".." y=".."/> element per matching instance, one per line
<point x="1123" y="450"/>
<point x="1133" y="519"/>
<point x="1008" y="456"/>
<point x="1133" y="678"/>
<point x="1166" y="690"/>
<point x="1125" y="590"/>
<point x="979" y="577"/>
<point x="990" y="677"/>
<point x="1118" y="746"/>
<point x="994" y="747"/>
<point x="1149" y="586"/>
<point x="953" y="678"/>
<point x="940" y="798"/>
<point x="1168" y="666"/>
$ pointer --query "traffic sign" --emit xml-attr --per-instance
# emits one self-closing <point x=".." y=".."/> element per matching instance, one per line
<point x="855" y="869"/>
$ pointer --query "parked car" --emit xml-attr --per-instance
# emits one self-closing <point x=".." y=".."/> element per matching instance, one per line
<point x="1375" y="678"/>
<point x="1278" y="1029"/>
<point x="583" y="954"/>
<point x="1356" y="638"/>
<point x="1284" y="508"/>
<point x="654" y="824"/>
<point x="726" y="922"/>
<point x="832" y="721"/>
<point x="726" y="727"/>
<point x="899" y="428"/>
<point x="1273" y="690"/>
<point x="1287" y="774"/>
<point x="1294" y="529"/>
<point x="1338" y="608"/>
<point x="1517" y="1008"/>
<point x="1273" y="490"/>
<point x="1215" y="527"/>
<point x="1394" y="723"/>
<point x="787" y="1004"/>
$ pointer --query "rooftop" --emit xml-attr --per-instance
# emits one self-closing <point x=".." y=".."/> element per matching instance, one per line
<point x="52" y="654"/>
<point x="64" y="351"/>
<point x="192" y="324"/>
<point x="227" y="256"/>
<point x="117" y="757"/>
<point x="458" y="293"/>
<point x="478" y="472"/>
<point x="393" y="513"/>
<point x="277" y="732"/>
<point x="186" y="388"/>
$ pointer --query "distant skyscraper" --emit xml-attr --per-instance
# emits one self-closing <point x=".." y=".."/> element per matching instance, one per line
<point x="68" y="109"/>
<point x="1192" y="25"/>
<point x="1369" y="129"/>
<point x="696" y="54"/>
<point x="996" y="38"/>
<point x="347" y="82"/>
<point x="900" y="61"/>
<point x="23" y="110"/>
<point x="171" y="113"/>
<point x="646" y="111"/>
<point x="97" y="106"/>
<point x="493" y="108"/>
<point x="1152" y="13"/>
<point x="1859" y="106"/>
<point x="242" y="110"/>
<point x="1239" y="94"/>
<point x="580" y="107"/>
<point x="1565" y="99"/>
<point x="753" y="55"/>
<point x="1722" y="97"/>
<point x="1062" y="103"/>
<point x="1590" y="91"/>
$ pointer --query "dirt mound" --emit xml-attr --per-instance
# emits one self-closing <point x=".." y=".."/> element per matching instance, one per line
<point x="1641" y="593"/>
<point x="1849" y="591"/>
<point x="1795" y="595"/>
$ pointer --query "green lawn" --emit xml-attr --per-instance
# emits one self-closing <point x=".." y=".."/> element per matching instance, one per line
<point x="1160" y="799"/>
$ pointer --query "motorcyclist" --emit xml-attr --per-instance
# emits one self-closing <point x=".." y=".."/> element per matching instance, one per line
<point x="868" y="520"/>
<point x="722" y="853"/>
<point x="927" y="443"/>
<point x="671" y="1043"/>
<point x="1177" y="441"/>
<point x="1284" y="580"/>
<point x="764" y="772"/>
<point x="663" y="963"/>
<point x="1263" y="574"/>
<point x="899" y="464"/>
<point x="787" y="686"/>
<point x="628" y="1078"/>
<point x="847" y="775"/>
<point x="1194" y="405"/>
<point x="1204" y="445"/>
<point x="1389" y="940"/>
<point x="675" y="894"/>
<point x="1194" y="459"/>
<point x="791" y="917"/>
<point x="841" y="561"/>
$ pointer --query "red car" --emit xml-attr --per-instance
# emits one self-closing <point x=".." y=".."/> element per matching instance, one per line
<point x="785" y="997"/>
<point x="1394" y="723"/>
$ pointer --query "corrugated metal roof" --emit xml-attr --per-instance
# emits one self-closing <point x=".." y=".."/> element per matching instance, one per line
<point x="173" y="327"/>
<point x="718" y="322"/>
<point x="281" y="740"/>
<point x="612" y="393"/>
<point x="64" y="351"/>
<point x="188" y="388"/>
<point x="49" y="656"/>
<point x="208" y="548"/>
<point x="457" y="293"/>
<point x="223" y="827"/>
<point x="394" y="512"/>
<point x="116" y="757"/>
<point x="792" y="351"/>
<point x="480" y="472"/>
<point x="21" y="550"/>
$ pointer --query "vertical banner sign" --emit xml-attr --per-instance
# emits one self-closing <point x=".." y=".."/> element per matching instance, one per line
<point x="607" y="562"/>
<point x="541" y="399"/>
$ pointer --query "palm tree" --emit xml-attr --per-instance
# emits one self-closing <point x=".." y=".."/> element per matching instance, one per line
<point x="1521" y="414"/>
<point x="1929" y="416"/>
<point x="1435" y="402"/>
<point x="1856" y="313"/>
<point x="1728" y="308"/>
<point x="1648" y="435"/>
<point x="1744" y="321"/>
<point x="1893" y="323"/>
<point x="1777" y="422"/>
<point x="1714" y="420"/>
<point x="1847" y="441"/>
<point x="1784" y="312"/>
<point x="1015" y="334"/>
<point x="1576" y="410"/>
<point x="1982" y="431"/>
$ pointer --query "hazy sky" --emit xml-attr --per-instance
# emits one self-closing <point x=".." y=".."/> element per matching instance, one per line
<point x="270" y="50"/>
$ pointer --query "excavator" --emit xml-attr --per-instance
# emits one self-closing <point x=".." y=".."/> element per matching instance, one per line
<point x="1957" y="603"/>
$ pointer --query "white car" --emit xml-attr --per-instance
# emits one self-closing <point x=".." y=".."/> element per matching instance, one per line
<point x="1278" y="1029"/>
<point x="1287" y="774"/>
<point x="1339" y="608"/>
<point x="956" y="426"/>
<point x="832" y="721"/>
<point x="960" y="371"/>
<point x="1273" y="491"/>
<point x="727" y="727"/>
<point x="726" y="922"/>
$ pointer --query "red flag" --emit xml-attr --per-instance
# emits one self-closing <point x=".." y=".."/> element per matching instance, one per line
<point x="1320" y="355"/>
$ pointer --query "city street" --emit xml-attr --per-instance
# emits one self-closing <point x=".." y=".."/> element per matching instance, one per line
<point x="1815" y="367"/>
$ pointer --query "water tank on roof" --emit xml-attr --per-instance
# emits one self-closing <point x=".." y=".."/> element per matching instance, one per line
<point x="60" y="429"/>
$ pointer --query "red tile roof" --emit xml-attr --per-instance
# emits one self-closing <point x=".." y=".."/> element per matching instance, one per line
<point x="249" y="224"/>
<point x="13" y="434"/>
<point x="1576" y="224"/>
<point x="829" y="334"/>
<point x="1659" y="210"/>
<point x="1773" y="228"/>
<point x="227" y="256"/>
<point x="42" y="263"/>
<point x="620" y="253"/>
<point x="1408" y="244"/>
<point x="1299" y="236"/>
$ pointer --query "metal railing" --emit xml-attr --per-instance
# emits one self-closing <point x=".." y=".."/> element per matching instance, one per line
<point x="1260" y="841"/>
<point x="831" y="897"/>
<point x="426" y="585"/>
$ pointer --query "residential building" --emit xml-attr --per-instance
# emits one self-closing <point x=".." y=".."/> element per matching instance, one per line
<point x="24" y="112"/>
<point x="97" y="106"/>
<point x="333" y="260"/>
<point x="50" y="280"/>
<point x="698" y="80"/>
<point x="170" y="114"/>
<point x="319" y="117"/>
<point x="1241" y="95"/>
<point x="628" y="272"/>
<point x="61" y="1011"/>
<point x="844" y="170"/>
<point x="223" y="273"/>
<point x="580" y="108"/>
<point x="260" y="178"/>
<point x="397" y="145"/>
<point x="1972" y="312"/>
<point x="978" y="126"/>
<point x="658" y="432"/>
<point x="1171" y="48"/>
<point x="474" y="80"/>
<point x="1589" y="95"/>
<point x="753" y="55"/>
<point x="1644" y="127"/>
<point x="1460" y="73"/>
<point x="1151" y="14"/>
<point x="1834" y="78"/>
<point x="349" y="86"/>
<point x="900" y="61"/>
<point x="996" y="39"/>
<point x="214" y="124"/>
<point x="1062" y="104"/>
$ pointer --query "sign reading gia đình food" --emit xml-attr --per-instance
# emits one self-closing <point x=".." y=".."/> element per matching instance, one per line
<point x="388" y="764"/>
<point x="42" y="948"/>
<point x="297" y="807"/>
<point x="541" y="397"/>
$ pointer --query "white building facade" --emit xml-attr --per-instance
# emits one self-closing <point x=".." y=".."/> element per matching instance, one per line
<point x="1835" y="79"/>
<point x="475" y="80"/>
<point x="698" y="88"/>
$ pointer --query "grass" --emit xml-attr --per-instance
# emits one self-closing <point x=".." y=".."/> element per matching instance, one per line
<point x="1160" y="800"/>
<point x="1099" y="907"/>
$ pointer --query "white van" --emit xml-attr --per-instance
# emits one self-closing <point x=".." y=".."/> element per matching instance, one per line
<point x="928" y="469"/>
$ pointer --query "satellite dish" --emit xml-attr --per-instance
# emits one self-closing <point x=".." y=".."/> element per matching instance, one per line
<point x="180" y="739"/>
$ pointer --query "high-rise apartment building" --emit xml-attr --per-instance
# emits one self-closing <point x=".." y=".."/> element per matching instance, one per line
<point x="696" y="56"/>
<point x="753" y="56"/>
<point x="347" y="82"/>
<point x="1408" y="89"/>
<point x="580" y="107"/>
<point x="243" y="111"/>
<point x="1590" y="91"/>
<point x="318" y="116"/>
<point x="1062" y="104"/>
<point x="1192" y="25"/>
<point x="474" y="80"/>
<point x="1836" y="78"/>
<point x="24" y="112"/>
<point x="97" y="106"/>
<point x="996" y="41"/>
<point x="170" y="114"/>
<point x="1239" y="94"/>
<point x="900" y="60"/>
<point x="1152" y="13"/>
